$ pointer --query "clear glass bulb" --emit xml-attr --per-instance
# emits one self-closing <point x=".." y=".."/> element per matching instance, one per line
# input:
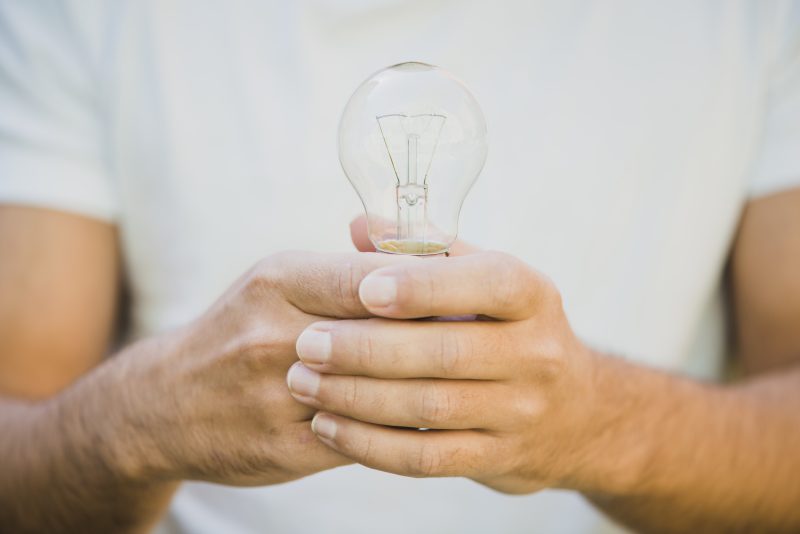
<point x="412" y="141"/>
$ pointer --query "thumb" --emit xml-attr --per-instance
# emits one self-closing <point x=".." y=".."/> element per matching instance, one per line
<point x="360" y="237"/>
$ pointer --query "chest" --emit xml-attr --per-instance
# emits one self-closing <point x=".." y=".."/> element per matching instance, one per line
<point x="619" y="141"/>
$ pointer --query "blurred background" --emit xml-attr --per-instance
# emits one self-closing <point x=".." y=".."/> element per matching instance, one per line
<point x="624" y="139"/>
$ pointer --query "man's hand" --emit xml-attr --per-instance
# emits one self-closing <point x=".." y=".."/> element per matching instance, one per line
<point x="210" y="402"/>
<point x="206" y="402"/>
<point x="516" y="402"/>
<point x="508" y="400"/>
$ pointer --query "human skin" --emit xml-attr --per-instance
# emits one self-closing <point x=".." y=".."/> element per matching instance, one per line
<point x="518" y="403"/>
<point x="207" y="401"/>
<point x="100" y="447"/>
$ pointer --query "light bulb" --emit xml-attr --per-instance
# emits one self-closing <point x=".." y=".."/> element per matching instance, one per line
<point x="412" y="141"/>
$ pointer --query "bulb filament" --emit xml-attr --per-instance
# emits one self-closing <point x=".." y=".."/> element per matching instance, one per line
<point x="418" y="137"/>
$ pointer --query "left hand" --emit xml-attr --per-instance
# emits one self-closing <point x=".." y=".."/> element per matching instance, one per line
<point x="508" y="401"/>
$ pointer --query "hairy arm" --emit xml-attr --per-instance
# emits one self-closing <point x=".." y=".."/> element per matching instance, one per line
<point x="59" y="279"/>
<point x="207" y="401"/>
<point x="725" y="458"/>
<point x="659" y="452"/>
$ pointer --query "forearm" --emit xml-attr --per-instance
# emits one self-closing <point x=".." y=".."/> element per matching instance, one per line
<point x="64" y="468"/>
<point x="696" y="457"/>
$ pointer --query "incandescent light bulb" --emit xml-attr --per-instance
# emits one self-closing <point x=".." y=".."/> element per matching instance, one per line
<point x="412" y="141"/>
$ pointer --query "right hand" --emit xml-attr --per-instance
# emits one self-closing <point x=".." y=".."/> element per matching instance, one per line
<point x="210" y="401"/>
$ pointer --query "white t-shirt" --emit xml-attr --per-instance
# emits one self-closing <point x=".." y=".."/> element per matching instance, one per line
<point x="624" y="139"/>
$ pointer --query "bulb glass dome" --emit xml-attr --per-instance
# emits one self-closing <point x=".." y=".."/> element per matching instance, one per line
<point x="412" y="141"/>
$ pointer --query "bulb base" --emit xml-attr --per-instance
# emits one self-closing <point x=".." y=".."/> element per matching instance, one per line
<point x="413" y="248"/>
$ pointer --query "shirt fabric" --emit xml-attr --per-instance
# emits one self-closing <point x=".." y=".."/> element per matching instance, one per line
<point x="625" y="138"/>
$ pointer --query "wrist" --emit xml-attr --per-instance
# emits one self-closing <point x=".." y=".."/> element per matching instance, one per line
<point x="617" y="448"/>
<point x="111" y="415"/>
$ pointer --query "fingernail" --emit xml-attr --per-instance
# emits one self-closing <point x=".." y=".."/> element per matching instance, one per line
<point x="314" y="346"/>
<point x="302" y="380"/>
<point x="323" y="426"/>
<point x="378" y="291"/>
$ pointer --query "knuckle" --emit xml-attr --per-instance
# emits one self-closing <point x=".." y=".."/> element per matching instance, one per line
<point x="274" y="399"/>
<point x="552" y="292"/>
<point x="454" y="351"/>
<point x="549" y="362"/>
<point x="508" y="276"/>
<point x="351" y="396"/>
<point x="419" y="289"/>
<point x="365" y="349"/>
<point x="265" y="341"/>
<point x="516" y="284"/>
<point x="527" y="409"/>
<point x="499" y="458"/>
<point x="348" y="278"/>
<point x="279" y="271"/>
<point x="544" y="287"/>
<point x="426" y="461"/>
<point x="550" y="371"/>
<point x="435" y="406"/>
<point x="367" y="450"/>
<point x="260" y="282"/>
<point x="258" y="351"/>
<point x="268" y="273"/>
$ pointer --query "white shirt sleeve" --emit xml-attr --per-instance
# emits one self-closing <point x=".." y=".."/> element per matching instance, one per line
<point x="778" y="164"/>
<point x="51" y="138"/>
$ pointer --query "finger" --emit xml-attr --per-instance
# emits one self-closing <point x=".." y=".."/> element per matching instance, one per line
<point x="489" y="283"/>
<point x="319" y="284"/>
<point x="408" y="452"/>
<point x="254" y="459"/>
<point x="383" y="348"/>
<point x="462" y="248"/>
<point x="315" y="458"/>
<point x="418" y="403"/>
<point x="359" y="233"/>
